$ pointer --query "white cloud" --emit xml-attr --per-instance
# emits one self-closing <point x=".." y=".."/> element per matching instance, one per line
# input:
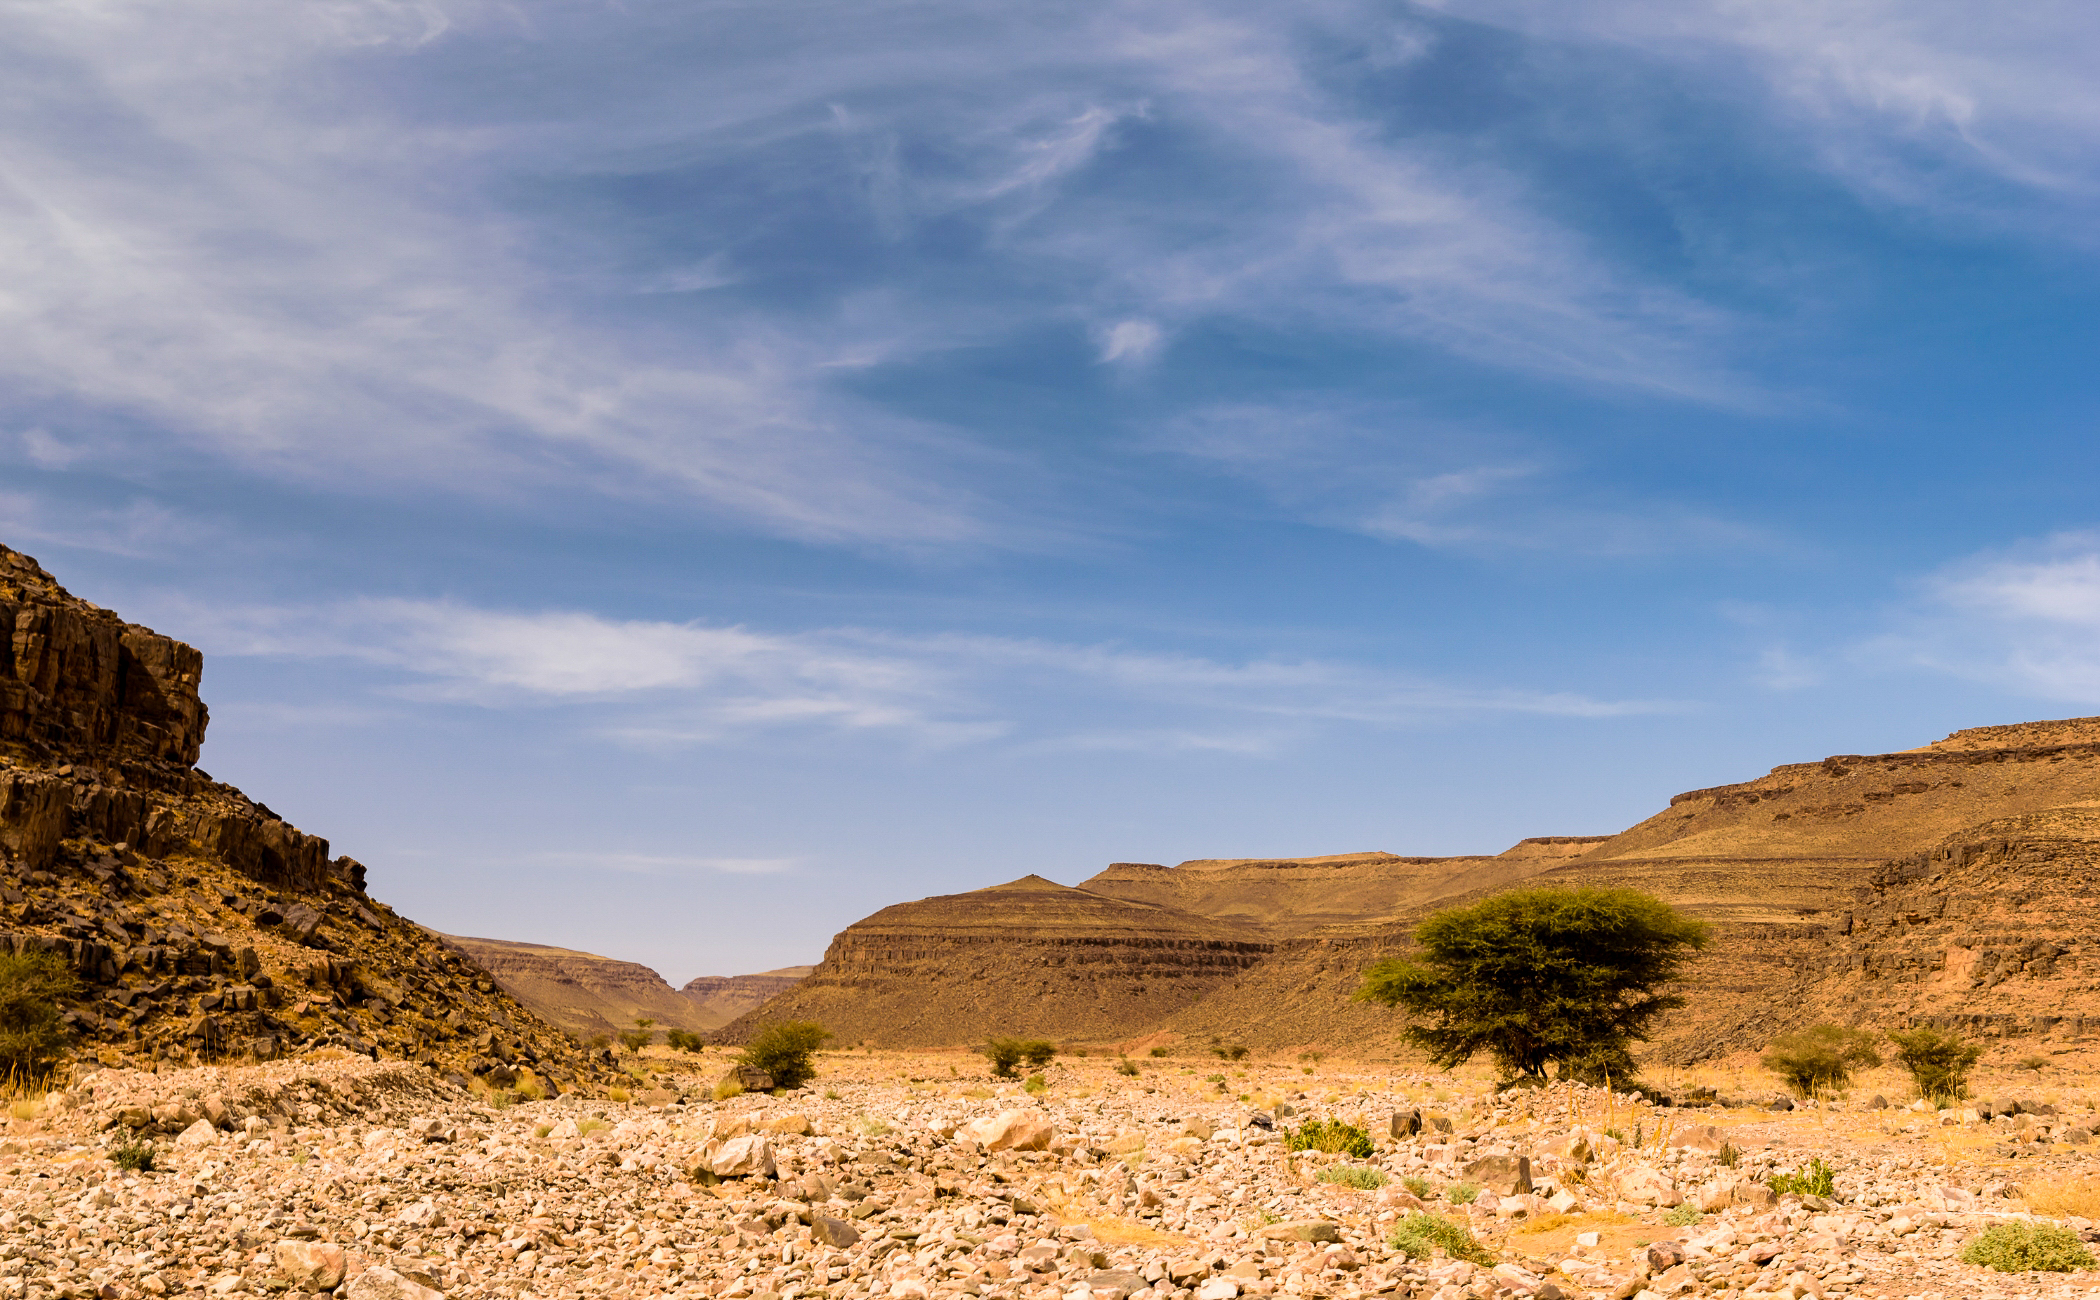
<point x="2026" y="619"/>
<point x="1131" y="340"/>
<point x="668" y="684"/>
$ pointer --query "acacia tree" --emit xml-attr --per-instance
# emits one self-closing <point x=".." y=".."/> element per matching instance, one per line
<point x="1541" y="976"/>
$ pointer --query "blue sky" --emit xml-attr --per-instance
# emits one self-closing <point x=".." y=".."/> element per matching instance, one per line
<point x="669" y="479"/>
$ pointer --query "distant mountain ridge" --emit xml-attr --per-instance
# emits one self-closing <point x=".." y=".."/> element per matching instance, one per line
<point x="1811" y="875"/>
<point x="591" y="996"/>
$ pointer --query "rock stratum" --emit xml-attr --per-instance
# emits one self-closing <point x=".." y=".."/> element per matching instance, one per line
<point x="1946" y="884"/>
<point x="202" y="926"/>
<point x="593" y="996"/>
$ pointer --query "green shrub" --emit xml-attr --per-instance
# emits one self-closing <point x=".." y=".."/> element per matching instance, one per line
<point x="639" y="1037"/>
<point x="1939" y="1062"/>
<point x="1127" y="1066"/>
<point x="1813" y="1179"/>
<point x="1035" y="1085"/>
<point x="2028" y="1247"/>
<point x="1363" y="1177"/>
<point x="1684" y="1216"/>
<point x="31" y="1035"/>
<point x="683" y="1040"/>
<point x="1462" y="1193"/>
<point x="1038" y="1052"/>
<point x="1820" y="1059"/>
<point x="1729" y="1156"/>
<point x="785" y="1051"/>
<point x="1417" y="1235"/>
<point x="1330" y="1135"/>
<point x="1418" y="1185"/>
<point x="134" y="1155"/>
<point x="1004" y="1054"/>
<point x="1159" y="1051"/>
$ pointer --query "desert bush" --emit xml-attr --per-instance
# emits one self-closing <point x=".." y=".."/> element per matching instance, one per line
<point x="1329" y="1135"/>
<point x="1820" y="1059"/>
<point x="1813" y="1179"/>
<point x="786" y="1051"/>
<point x="1038" y="1052"/>
<point x="2028" y="1248"/>
<point x="1127" y="1066"/>
<point x="620" y="1095"/>
<point x="728" y="1086"/>
<point x="1159" y="1051"/>
<point x="1462" y="1193"/>
<point x="1418" y="1235"/>
<point x="1418" y="1185"/>
<point x="639" y="1037"/>
<point x="1362" y="1177"/>
<point x="1939" y="1062"/>
<point x="683" y="1040"/>
<point x="133" y="1155"/>
<point x="1728" y="1156"/>
<point x="1004" y="1054"/>
<point x="1538" y="976"/>
<point x="1684" y="1216"/>
<point x="2035" y="1063"/>
<point x="1035" y="1085"/>
<point x="31" y="1034"/>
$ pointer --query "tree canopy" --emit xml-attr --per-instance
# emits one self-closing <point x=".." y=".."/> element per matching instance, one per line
<point x="1541" y="976"/>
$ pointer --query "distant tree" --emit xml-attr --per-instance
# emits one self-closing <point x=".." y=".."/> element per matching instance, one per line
<point x="683" y="1040"/>
<point x="1004" y="1054"/>
<point x="1541" y="976"/>
<point x="1820" y="1059"/>
<point x="639" y="1037"/>
<point x="1038" y="1052"/>
<point x="787" y="1051"/>
<point x="1939" y="1061"/>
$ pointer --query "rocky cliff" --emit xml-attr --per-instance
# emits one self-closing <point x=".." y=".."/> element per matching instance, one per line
<point x="593" y="997"/>
<point x="1940" y="884"/>
<point x="201" y="924"/>
<point x="722" y="998"/>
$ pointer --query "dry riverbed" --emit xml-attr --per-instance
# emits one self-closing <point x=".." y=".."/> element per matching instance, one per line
<point x="920" y="1178"/>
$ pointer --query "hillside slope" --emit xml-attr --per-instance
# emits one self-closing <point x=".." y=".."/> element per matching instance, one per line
<point x="201" y="925"/>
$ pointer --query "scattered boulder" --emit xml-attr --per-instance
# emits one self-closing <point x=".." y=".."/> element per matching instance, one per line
<point x="1013" y="1130"/>
<point x="743" y="1157"/>
<point x="383" y="1283"/>
<point x="310" y="1265"/>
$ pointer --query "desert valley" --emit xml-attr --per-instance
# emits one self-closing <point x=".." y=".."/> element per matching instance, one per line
<point x="274" y="1084"/>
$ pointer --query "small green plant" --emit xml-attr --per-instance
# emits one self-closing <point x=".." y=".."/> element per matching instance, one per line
<point x="1462" y="1193"/>
<point x="1362" y="1177"/>
<point x="1418" y="1185"/>
<point x="1820" y="1060"/>
<point x="31" y="1034"/>
<point x="1419" y="1235"/>
<point x="586" y="1127"/>
<point x="1728" y="1156"/>
<point x="1330" y="1135"/>
<point x="831" y="1094"/>
<point x="620" y="1095"/>
<point x="1218" y="1079"/>
<point x="133" y="1155"/>
<point x="728" y="1086"/>
<point x="1684" y="1216"/>
<point x="1035" y="1085"/>
<point x="787" y="1051"/>
<point x="1813" y="1179"/>
<point x="683" y="1040"/>
<point x="1126" y="1066"/>
<point x="2035" y="1063"/>
<point x="2028" y="1248"/>
<point x="873" y="1127"/>
<point x="504" y="1098"/>
<point x="1038" y="1052"/>
<point x="1939" y="1062"/>
<point x="1159" y="1051"/>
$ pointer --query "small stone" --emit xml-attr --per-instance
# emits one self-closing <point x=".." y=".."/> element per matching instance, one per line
<point x="310" y="1265"/>
<point x="1218" y="1288"/>
<point x="835" y="1233"/>
<point x="1301" y="1230"/>
<point x="383" y="1283"/>
<point x="199" y="1134"/>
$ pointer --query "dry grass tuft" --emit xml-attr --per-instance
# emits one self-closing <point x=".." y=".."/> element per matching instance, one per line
<point x="2065" y="1198"/>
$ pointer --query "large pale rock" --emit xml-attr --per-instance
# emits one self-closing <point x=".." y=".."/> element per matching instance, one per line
<point x="792" y="1124"/>
<point x="1013" y="1130"/>
<point x="743" y="1157"/>
<point x="835" y="1233"/>
<point x="1644" y="1185"/>
<point x="1699" y="1137"/>
<point x="199" y="1134"/>
<point x="1502" y="1175"/>
<point x="383" y="1283"/>
<point x="310" y="1265"/>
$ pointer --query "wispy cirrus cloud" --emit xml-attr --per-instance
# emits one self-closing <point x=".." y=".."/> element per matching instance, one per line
<point x="2025" y="618"/>
<point x="676" y="684"/>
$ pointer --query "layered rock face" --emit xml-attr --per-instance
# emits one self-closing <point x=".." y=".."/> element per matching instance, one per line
<point x="202" y="925"/>
<point x="722" y="998"/>
<point x="1935" y="884"/>
<point x="1029" y="957"/>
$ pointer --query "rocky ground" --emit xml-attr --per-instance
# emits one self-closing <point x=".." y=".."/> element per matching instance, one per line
<point x="920" y="1177"/>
